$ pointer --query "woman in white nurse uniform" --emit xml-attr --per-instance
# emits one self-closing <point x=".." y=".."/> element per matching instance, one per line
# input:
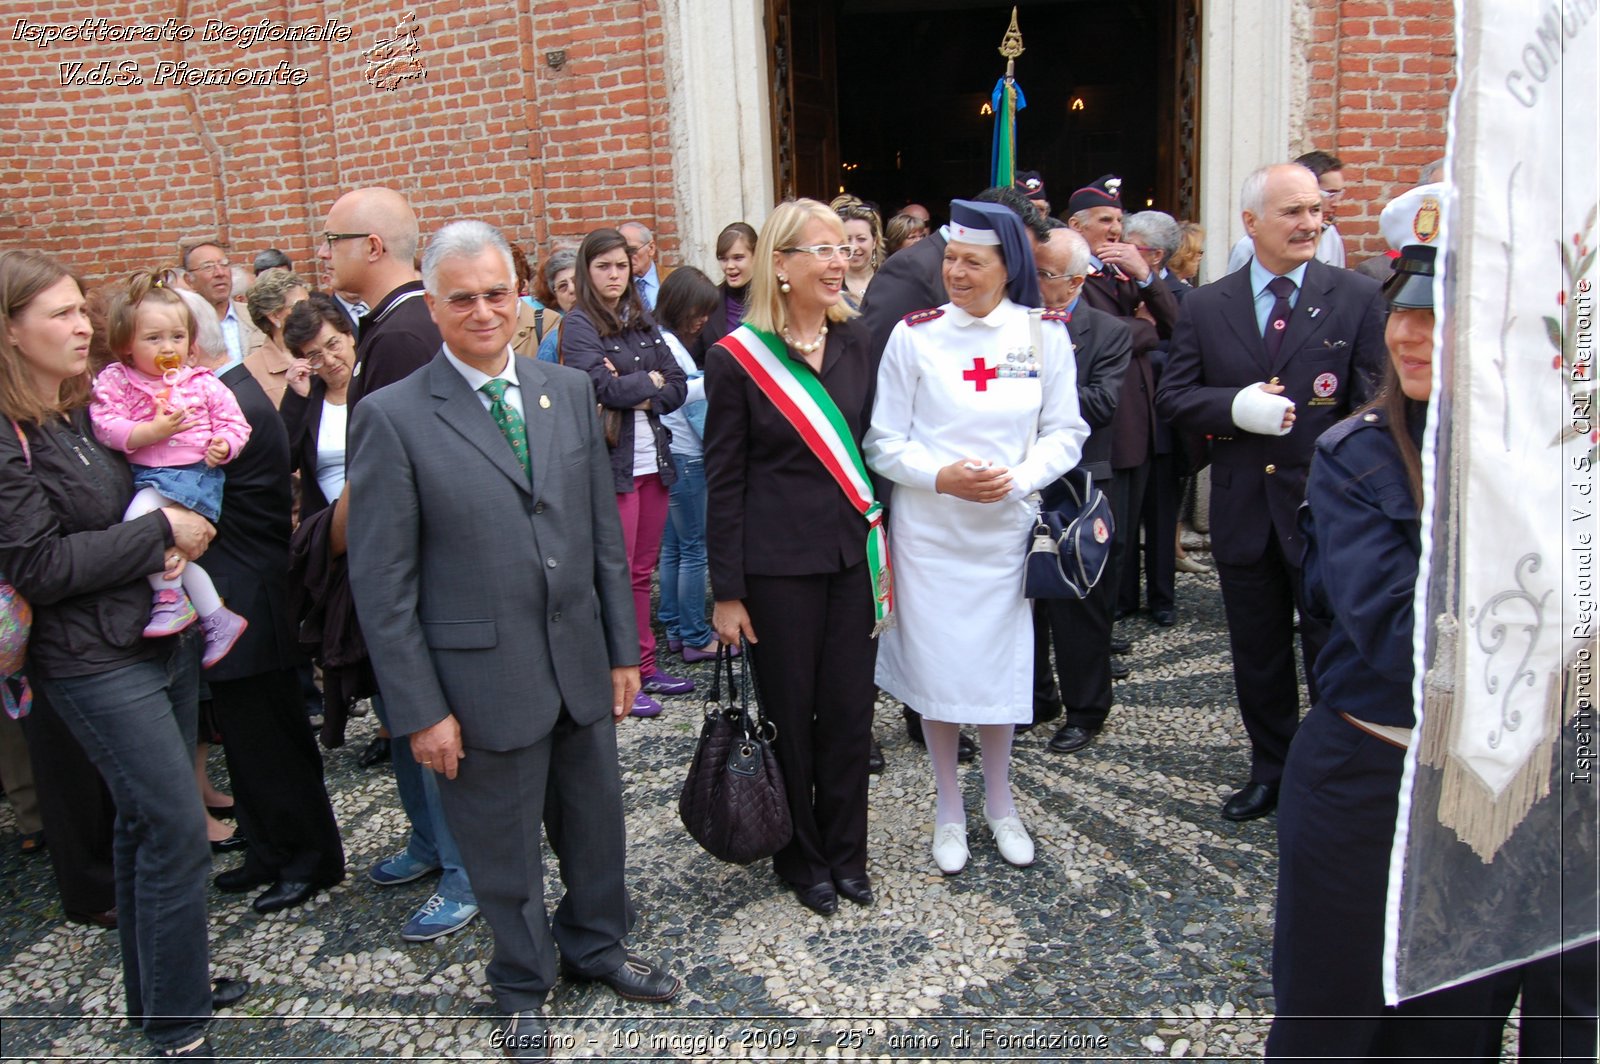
<point x="976" y="409"/>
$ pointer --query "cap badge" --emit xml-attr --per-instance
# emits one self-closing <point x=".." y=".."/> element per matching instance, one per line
<point x="1426" y="223"/>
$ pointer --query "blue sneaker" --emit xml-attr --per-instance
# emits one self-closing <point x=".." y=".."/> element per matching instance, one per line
<point x="437" y="918"/>
<point x="659" y="683"/>
<point x="401" y="868"/>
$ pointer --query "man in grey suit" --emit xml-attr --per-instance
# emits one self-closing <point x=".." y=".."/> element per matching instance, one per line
<point x="487" y="563"/>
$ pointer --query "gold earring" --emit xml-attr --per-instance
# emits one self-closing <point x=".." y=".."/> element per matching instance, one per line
<point x="783" y="285"/>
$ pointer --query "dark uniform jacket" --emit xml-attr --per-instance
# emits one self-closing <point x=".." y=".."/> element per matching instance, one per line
<point x="1102" y="347"/>
<point x="1331" y="363"/>
<point x="1363" y="538"/>
<point x="910" y="280"/>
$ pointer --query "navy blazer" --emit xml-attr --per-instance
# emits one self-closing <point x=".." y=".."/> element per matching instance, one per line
<point x="911" y="279"/>
<point x="1331" y="363"/>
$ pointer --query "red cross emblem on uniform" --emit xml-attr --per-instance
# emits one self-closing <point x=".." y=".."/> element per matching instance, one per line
<point x="980" y="374"/>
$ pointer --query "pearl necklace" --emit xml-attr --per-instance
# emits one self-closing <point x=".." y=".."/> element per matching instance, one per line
<point x="807" y="349"/>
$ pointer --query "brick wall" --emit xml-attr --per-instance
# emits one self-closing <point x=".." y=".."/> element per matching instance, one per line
<point x="109" y="177"/>
<point x="1381" y="73"/>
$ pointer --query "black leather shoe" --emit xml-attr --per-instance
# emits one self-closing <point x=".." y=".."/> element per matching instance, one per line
<point x="1252" y="803"/>
<point x="284" y="894"/>
<point x="225" y="992"/>
<point x="1121" y="646"/>
<point x="1120" y="670"/>
<point x="635" y="980"/>
<point x="858" y="890"/>
<point x="1165" y="618"/>
<point x="820" y="898"/>
<point x="238" y="880"/>
<point x="525" y="1037"/>
<point x="376" y="753"/>
<point x="236" y="841"/>
<point x="106" y="919"/>
<point x="966" y="748"/>
<point x="200" y="1050"/>
<point x="1070" y="738"/>
<point x="874" y="759"/>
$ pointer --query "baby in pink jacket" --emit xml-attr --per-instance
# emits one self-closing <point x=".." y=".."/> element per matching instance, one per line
<point x="178" y="425"/>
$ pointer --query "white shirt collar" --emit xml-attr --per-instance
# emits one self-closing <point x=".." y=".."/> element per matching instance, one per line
<point x="476" y="378"/>
<point x="994" y="319"/>
<point x="1260" y="276"/>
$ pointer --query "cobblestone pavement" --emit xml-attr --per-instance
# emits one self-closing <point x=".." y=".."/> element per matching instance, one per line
<point x="1143" y="930"/>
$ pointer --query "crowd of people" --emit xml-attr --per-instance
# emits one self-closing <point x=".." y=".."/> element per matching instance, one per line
<point x="452" y="480"/>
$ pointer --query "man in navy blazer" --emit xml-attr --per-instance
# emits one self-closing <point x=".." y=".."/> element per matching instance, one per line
<point x="1262" y="368"/>
<point x="488" y="569"/>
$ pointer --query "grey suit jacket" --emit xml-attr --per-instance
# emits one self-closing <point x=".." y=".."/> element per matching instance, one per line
<point x="479" y="594"/>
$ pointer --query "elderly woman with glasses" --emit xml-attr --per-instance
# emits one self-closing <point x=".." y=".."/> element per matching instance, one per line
<point x="977" y="408"/>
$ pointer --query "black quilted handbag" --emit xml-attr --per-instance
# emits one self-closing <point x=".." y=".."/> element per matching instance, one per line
<point x="1070" y="541"/>
<point x="733" y="801"/>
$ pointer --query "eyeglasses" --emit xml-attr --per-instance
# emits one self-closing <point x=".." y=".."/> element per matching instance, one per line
<point x="1046" y="275"/>
<point x="1333" y="193"/>
<point x="214" y="266"/>
<point x="466" y="302"/>
<point x="317" y="357"/>
<point x="331" y="239"/>
<point x="1141" y="249"/>
<point x="823" y="252"/>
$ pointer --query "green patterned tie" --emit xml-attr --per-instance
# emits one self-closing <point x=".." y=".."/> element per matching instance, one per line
<point x="512" y="427"/>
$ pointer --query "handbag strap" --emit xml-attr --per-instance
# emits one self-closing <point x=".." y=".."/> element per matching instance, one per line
<point x="758" y="726"/>
<point x="723" y="662"/>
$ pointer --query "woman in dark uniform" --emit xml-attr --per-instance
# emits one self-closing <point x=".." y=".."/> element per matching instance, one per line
<point x="1341" y="785"/>
<point x="788" y="543"/>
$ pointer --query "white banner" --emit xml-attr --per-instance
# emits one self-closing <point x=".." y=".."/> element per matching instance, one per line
<point x="1495" y="851"/>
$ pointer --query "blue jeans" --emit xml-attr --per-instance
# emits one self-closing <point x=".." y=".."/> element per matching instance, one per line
<point x="431" y="842"/>
<point x="683" y="556"/>
<point x="137" y="724"/>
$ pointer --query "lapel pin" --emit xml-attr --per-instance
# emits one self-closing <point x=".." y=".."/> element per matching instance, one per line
<point x="544" y="402"/>
<point x="1313" y="311"/>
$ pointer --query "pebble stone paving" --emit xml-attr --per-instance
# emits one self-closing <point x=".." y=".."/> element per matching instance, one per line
<point x="1142" y="931"/>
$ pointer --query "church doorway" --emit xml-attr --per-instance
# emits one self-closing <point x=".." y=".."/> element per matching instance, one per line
<point x="888" y="99"/>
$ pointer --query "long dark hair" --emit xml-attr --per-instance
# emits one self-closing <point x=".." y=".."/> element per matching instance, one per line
<point x="630" y="309"/>
<point x="685" y="295"/>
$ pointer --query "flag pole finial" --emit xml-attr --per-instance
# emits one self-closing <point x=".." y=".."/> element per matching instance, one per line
<point x="1011" y="45"/>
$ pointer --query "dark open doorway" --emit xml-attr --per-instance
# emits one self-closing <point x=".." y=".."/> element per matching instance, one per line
<point x="1110" y="87"/>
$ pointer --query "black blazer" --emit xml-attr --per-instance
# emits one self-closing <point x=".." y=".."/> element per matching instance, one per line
<point x="1331" y="363"/>
<point x="302" y="419"/>
<point x="1102" y="347"/>
<point x="249" y="559"/>
<point x="911" y="279"/>
<point x="771" y="507"/>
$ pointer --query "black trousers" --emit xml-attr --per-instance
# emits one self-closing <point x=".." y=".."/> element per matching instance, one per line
<point x="814" y="669"/>
<point x="1259" y="600"/>
<point x="1080" y="631"/>
<point x="1336" y="817"/>
<point x="568" y="781"/>
<point x="276" y="769"/>
<point x="76" y="808"/>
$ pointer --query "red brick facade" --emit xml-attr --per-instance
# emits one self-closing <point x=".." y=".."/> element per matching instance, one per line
<point x="1381" y="73"/>
<point x="109" y="177"/>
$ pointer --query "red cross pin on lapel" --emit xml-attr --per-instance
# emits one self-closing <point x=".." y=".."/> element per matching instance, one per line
<point x="980" y="374"/>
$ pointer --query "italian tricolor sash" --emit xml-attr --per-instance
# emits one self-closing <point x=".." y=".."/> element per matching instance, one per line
<point x="805" y="404"/>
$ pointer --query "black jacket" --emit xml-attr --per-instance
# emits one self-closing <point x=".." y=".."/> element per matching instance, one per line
<point x="302" y="417"/>
<point x="63" y="545"/>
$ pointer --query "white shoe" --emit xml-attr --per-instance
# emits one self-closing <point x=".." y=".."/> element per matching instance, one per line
<point x="1012" y="839"/>
<point x="950" y="847"/>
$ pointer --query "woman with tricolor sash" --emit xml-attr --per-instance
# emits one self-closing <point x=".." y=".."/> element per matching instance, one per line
<point x="977" y="409"/>
<point x="794" y="533"/>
